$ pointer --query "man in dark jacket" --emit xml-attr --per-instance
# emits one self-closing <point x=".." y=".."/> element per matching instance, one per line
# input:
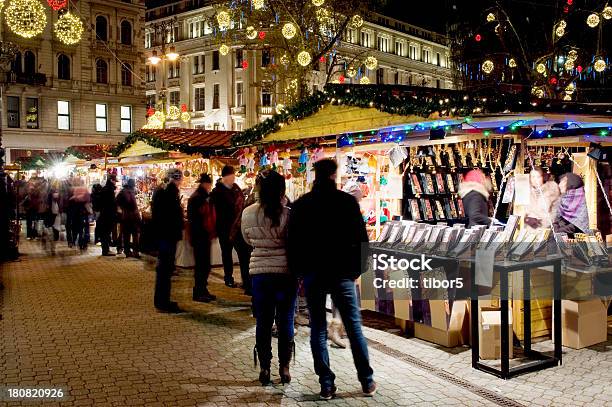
<point x="167" y="214"/>
<point x="129" y="219"/>
<point x="327" y="245"/>
<point x="108" y="214"/>
<point x="229" y="203"/>
<point x="201" y="215"/>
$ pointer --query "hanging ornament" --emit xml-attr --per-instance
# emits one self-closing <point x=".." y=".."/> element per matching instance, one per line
<point x="478" y="37"/>
<point x="303" y="160"/>
<point x="364" y="80"/>
<point x="150" y="112"/>
<point x="371" y="62"/>
<point x="262" y="35"/>
<point x="490" y="17"/>
<point x="351" y="72"/>
<point x="599" y="65"/>
<point x="512" y="63"/>
<point x="541" y="68"/>
<point x="356" y="21"/>
<point x="572" y="55"/>
<point x="488" y="66"/>
<point x="569" y="65"/>
<point x="57" y="4"/>
<point x="607" y="12"/>
<point x="567" y="97"/>
<point x="579" y="68"/>
<point x="323" y="15"/>
<point x="593" y="20"/>
<point x="258" y="4"/>
<point x="183" y="107"/>
<point x="69" y="28"/>
<point x="185" y="117"/>
<point x="251" y="32"/>
<point x="560" y="31"/>
<point x="304" y="58"/>
<point x="318" y="3"/>
<point x="562" y="24"/>
<point x="553" y="81"/>
<point x="537" y="92"/>
<point x="322" y="59"/>
<point x="224" y="49"/>
<point x="280" y="108"/>
<point x="289" y="31"/>
<point x="341" y="79"/>
<point x="245" y="64"/>
<point x="570" y="89"/>
<point x="223" y="18"/>
<point x="26" y="18"/>
<point x="284" y="60"/>
<point x="173" y="113"/>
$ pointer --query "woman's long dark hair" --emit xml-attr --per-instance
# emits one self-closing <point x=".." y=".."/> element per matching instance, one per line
<point x="271" y="192"/>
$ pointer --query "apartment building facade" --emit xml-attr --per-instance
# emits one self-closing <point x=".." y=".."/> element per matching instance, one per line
<point x="224" y="91"/>
<point x="55" y="95"/>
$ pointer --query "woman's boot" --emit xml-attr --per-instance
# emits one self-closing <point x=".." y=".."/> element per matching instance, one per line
<point x="285" y="353"/>
<point x="264" y="363"/>
<point x="333" y="333"/>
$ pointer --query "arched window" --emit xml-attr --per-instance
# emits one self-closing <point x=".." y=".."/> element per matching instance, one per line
<point x="126" y="74"/>
<point x="29" y="62"/>
<point x="16" y="64"/>
<point x="126" y="32"/>
<point x="63" y="67"/>
<point x="101" y="28"/>
<point x="101" y="71"/>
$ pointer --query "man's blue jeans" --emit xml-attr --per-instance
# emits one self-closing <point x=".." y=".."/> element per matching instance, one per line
<point x="344" y="296"/>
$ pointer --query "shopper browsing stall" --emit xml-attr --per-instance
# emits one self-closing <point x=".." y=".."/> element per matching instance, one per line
<point x="108" y="214"/>
<point x="474" y="191"/>
<point x="129" y="219"/>
<point x="573" y="214"/>
<point x="544" y="200"/>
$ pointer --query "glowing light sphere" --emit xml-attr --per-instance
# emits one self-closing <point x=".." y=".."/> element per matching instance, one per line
<point x="224" y="49"/>
<point x="280" y="108"/>
<point x="490" y="17"/>
<point x="323" y="15"/>
<point x="569" y="65"/>
<point x="258" y="4"/>
<point x="185" y="117"/>
<point x="541" y="68"/>
<point x="478" y="37"/>
<point x="488" y="66"/>
<point x="560" y="31"/>
<point x="356" y="21"/>
<point x="371" y="62"/>
<point x="512" y="63"/>
<point x="173" y="113"/>
<point x="562" y="24"/>
<point x="304" y="58"/>
<point x="351" y="72"/>
<point x="289" y="30"/>
<point x="364" y="80"/>
<point x="159" y="115"/>
<point x="599" y="65"/>
<point x="69" y="28"/>
<point x="26" y="18"/>
<point x="607" y="12"/>
<point x="593" y="20"/>
<point x="223" y="19"/>
<point x="57" y="4"/>
<point x="318" y="3"/>
<point x="538" y="92"/>
<point x="284" y="60"/>
<point x="1" y="4"/>
<point x="251" y="32"/>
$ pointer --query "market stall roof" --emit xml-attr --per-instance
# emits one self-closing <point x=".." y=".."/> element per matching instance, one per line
<point x="88" y="152"/>
<point x="188" y="141"/>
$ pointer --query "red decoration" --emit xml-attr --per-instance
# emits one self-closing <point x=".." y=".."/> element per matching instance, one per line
<point x="245" y="64"/>
<point x="341" y="79"/>
<point x="553" y="81"/>
<point x="262" y="35"/>
<point x="570" y="2"/>
<point x="183" y="107"/>
<point x="566" y="9"/>
<point x="579" y="68"/>
<point x="57" y="4"/>
<point x="150" y="111"/>
<point x="478" y="37"/>
<point x="322" y="59"/>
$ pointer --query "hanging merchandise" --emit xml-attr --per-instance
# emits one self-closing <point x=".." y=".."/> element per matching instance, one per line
<point x="26" y="18"/>
<point x="69" y="28"/>
<point x="372" y="162"/>
<point x="303" y="160"/>
<point x="273" y="158"/>
<point x="397" y="155"/>
<point x="250" y="163"/>
<point x="286" y="163"/>
<point x="318" y="154"/>
<point x="243" y="160"/>
<point x="264" y="161"/>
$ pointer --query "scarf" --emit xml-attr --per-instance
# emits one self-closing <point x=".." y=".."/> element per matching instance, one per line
<point x="573" y="208"/>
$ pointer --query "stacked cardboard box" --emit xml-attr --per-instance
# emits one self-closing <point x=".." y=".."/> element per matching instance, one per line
<point x="584" y="323"/>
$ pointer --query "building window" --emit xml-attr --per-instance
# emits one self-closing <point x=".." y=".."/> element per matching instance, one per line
<point x="151" y="101"/>
<point x="366" y="39"/>
<point x="63" y="115"/>
<point x="101" y="117"/>
<point x="266" y="57"/>
<point x="172" y="34"/>
<point x="29" y="62"/>
<point x="126" y="32"/>
<point x="126" y="119"/>
<point x="438" y="83"/>
<point x="397" y="78"/>
<point x="101" y="28"/>
<point x="175" y="98"/>
<point x="239" y="58"/>
<point x="380" y="76"/>
<point x="149" y="39"/>
<point x="32" y="113"/>
<point x="215" y="96"/>
<point x="413" y="51"/>
<point x="399" y="48"/>
<point x="239" y="94"/>
<point x="237" y="125"/>
<point x="427" y="55"/>
<point x="101" y="71"/>
<point x="12" y="111"/>
<point x="63" y="67"/>
<point x="383" y="44"/>
<point x="16" y="63"/>
<point x="351" y="35"/>
<point x="151" y="73"/>
<point x="199" y="99"/>
<point x="266" y="96"/>
<point x="215" y="61"/>
<point x="126" y="74"/>
<point x="174" y="69"/>
<point x="198" y="64"/>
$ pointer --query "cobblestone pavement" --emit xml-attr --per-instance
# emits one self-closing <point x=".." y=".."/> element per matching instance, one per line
<point x="86" y="324"/>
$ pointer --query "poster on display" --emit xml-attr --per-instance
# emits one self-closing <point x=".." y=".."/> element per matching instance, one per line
<point x="522" y="189"/>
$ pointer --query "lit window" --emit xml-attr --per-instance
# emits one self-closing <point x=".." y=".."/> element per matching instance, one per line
<point x="215" y="96"/>
<point x="199" y="99"/>
<point x="101" y="117"/>
<point x="126" y="119"/>
<point x="63" y="115"/>
<point x="413" y="51"/>
<point x="239" y="94"/>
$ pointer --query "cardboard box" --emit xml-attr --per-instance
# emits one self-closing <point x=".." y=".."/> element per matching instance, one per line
<point x="489" y="333"/>
<point x="456" y="333"/>
<point x="584" y="323"/>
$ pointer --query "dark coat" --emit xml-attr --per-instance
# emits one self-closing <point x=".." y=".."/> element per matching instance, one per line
<point x="167" y="213"/>
<point x="475" y="202"/>
<point x="327" y="235"/>
<point x="126" y="201"/>
<point x="198" y="199"/>
<point x="107" y="204"/>
<point x="229" y="203"/>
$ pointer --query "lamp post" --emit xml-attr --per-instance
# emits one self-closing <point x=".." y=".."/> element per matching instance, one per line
<point x="167" y="54"/>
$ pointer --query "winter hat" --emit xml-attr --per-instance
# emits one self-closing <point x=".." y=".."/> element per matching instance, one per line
<point x="174" y="174"/>
<point x="131" y="183"/>
<point x="227" y="170"/>
<point x="205" y="179"/>
<point x="475" y="176"/>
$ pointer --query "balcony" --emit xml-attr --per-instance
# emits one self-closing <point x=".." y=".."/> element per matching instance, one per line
<point x="238" y="110"/>
<point x="36" y="79"/>
<point x="265" y="110"/>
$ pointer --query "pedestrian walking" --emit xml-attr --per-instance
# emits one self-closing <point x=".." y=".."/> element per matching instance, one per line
<point x="330" y="262"/>
<point x="52" y="220"/>
<point x="264" y="227"/>
<point x="229" y="203"/>
<point x="129" y="218"/>
<point x="168" y="222"/>
<point x="202" y="223"/>
<point x="80" y="208"/>
<point x="108" y="214"/>
<point x="31" y="204"/>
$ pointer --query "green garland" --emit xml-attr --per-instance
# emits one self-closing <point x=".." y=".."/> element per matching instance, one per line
<point x="76" y="153"/>
<point x="167" y="146"/>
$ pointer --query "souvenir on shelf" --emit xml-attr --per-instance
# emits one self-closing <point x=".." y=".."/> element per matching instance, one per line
<point x="450" y="156"/>
<point x="440" y="184"/>
<point x="439" y="210"/>
<point x="414" y="210"/>
<point x="427" y="210"/>
<point x="510" y="159"/>
<point x="416" y="186"/>
<point x="450" y="183"/>
<point x="460" y="210"/>
<point x="428" y="186"/>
